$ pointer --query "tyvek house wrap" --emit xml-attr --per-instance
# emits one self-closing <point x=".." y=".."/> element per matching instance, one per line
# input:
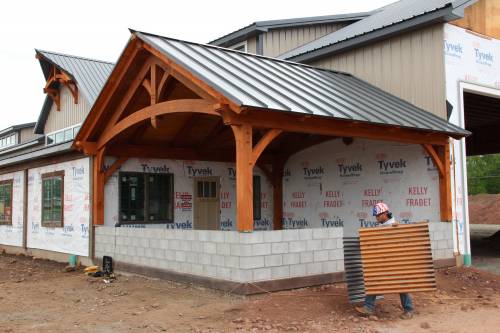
<point x="73" y="237"/>
<point x="474" y="59"/>
<point x="328" y="185"/>
<point x="13" y="234"/>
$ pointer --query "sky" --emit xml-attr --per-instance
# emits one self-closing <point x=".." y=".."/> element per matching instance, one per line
<point x="99" y="29"/>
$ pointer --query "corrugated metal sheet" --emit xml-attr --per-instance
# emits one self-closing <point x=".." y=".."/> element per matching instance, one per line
<point x="397" y="259"/>
<point x="387" y="16"/>
<point x="257" y="81"/>
<point x="353" y="270"/>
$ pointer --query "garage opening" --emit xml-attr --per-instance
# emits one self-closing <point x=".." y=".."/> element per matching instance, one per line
<point x="482" y="118"/>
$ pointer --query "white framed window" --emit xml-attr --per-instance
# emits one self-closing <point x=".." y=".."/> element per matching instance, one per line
<point x="8" y="141"/>
<point x="62" y="135"/>
<point x="240" y="46"/>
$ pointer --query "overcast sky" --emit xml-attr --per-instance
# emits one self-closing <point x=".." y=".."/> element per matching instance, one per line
<point x="99" y="29"/>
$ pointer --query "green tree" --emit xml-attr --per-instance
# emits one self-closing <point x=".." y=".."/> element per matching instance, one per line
<point x="483" y="174"/>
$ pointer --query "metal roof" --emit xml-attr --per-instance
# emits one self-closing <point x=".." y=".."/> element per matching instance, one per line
<point x="395" y="18"/>
<point x="263" y="26"/>
<point x="258" y="81"/>
<point x="16" y="127"/>
<point x="89" y="75"/>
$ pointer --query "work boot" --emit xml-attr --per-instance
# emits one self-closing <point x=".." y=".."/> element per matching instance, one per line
<point x="406" y="315"/>
<point x="364" y="311"/>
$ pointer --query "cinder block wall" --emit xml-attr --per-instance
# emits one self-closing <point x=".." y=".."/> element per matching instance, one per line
<point x="226" y="255"/>
<point x="441" y="235"/>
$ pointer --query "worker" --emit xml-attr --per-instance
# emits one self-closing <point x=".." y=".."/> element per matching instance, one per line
<point x="384" y="218"/>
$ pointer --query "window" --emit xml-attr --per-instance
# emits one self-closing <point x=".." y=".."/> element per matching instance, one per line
<point x="6" y="202"/>
<point x="53" y="199"/>
<point x="256" y="198"/>
<point x="8" y="141"/>
<point x="146" y="198"/>
<point x="63" y="135"/>
<point x="207" y="189"/>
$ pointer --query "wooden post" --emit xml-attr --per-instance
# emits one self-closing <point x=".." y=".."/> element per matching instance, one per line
<point x="445" y="183"/>
<point x="244" y="177"/>
<point x="277" y="181"/>
<point x="98" y="189"/>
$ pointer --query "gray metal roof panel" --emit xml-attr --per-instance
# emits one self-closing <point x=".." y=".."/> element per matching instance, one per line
<point x="16" y="127"/>
<point x="254" y="28"/>
<point x="387" y="16"/>
<point x="90" y="76"/>
<point x="263" y="82"/>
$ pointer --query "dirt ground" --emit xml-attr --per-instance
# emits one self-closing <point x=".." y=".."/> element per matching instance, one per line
<point x="38" y="296"/>
<point x="483" y="208"/>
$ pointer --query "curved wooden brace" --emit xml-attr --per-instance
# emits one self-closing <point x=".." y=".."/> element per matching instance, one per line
<point x="263" y="143"/>
<point x="437" y="161"/>
<point x="153" y="111"/>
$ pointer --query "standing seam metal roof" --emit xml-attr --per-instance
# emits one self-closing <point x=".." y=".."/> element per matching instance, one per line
<point x="262" y="82"/>
<point x="385" y="17"/>
<point x="257" y="26"/>
<point x="90" y="76"/>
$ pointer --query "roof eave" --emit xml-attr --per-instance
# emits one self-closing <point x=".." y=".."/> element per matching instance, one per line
<point x="441" y="15"/>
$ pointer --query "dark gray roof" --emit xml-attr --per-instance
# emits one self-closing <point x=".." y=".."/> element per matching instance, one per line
<point x="89" y="75"/>
<point x="263" y="26"/>
<point x="258" y="81"/>
<point x="16" y="127"/>
<point x="392" y="19"/>
<point x="33" y="152"/>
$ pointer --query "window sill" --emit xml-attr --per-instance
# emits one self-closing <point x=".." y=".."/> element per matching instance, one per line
<point x="52" y="224"/>
<point x="5" y="222"/>
<point x="143" y="222"/>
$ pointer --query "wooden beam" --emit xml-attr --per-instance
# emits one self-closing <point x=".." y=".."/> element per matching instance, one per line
<point x="445" y="184"/>
<point x="127" y="96"/>
<point x="191" y="81"/>
<point x="292" y="122"/>
<point x="244" y="177"/>
<point x="163" y="108"/>
<point x="97" y="191"/>
<point x="437" y="161"/>
<point x="115" y="79"/>
<point x="263" y="143"/>
<point x="160" y="151"/>
<point x="113" y="167"/>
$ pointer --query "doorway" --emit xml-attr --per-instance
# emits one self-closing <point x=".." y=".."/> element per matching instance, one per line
<point x="207" y="203"/>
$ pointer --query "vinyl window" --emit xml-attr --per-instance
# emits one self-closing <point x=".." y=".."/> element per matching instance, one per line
<point x="6" y="202"/>
<point x="53" y="199"/>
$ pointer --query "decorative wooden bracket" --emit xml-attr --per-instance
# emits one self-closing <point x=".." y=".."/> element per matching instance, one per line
<point x="435" y="158"/>
<point x="441" y="157"/>
<point x="263" y="143"/>
<point x="111" y="170"/>
<point x="58" y="76"/>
